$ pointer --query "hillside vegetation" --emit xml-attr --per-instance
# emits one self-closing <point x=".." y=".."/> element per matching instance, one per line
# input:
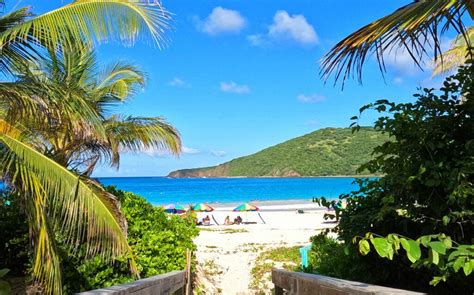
<point x="325" y="152"/>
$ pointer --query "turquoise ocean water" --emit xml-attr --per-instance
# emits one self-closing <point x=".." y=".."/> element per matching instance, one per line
<point x="163" y="190"/>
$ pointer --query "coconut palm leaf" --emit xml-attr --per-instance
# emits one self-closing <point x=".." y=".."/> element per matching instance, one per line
<point x="456" y="55"/>
<point x="46" y="265"/>
<point x="93" y="20"/>
<point x="119" y="82"/>
<point x="73" y="207"/>
<point x="138" y="134"/>
<point x="14" y="52"/>
<point x="415" y="27"/>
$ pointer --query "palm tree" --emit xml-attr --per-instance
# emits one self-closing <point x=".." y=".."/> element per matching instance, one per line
<point x="416" y="28"/>
<point x="57" y="198"/>
<point x="77" y="142"/>
<point x="59" y="117"/>
<point x="456" y="55"/>
<point x="91" y="20"/>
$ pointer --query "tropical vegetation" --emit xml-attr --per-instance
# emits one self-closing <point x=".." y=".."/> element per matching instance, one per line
<point x="418" y="216"/>
<point x="416" y="28"/>
<point x="325" y="152"/>
<point x="456" y="55"/>
<point x="159" y="242"/>
<point x="55" y="128"/>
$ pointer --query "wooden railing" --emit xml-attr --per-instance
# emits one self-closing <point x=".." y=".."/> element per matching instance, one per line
<point x="305" y="284"/>
<point x="169" y="283"/>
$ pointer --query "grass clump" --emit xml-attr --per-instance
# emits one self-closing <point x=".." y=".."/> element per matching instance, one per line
<point x="281" y="257"/>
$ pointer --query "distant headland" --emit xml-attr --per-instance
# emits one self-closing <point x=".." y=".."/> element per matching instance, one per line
<point x="326" y="152"/>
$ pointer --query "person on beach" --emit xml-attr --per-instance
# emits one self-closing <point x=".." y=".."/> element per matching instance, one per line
<point x="238" y="220"/>
<point x="206" y="220"/>
<point x="227" y="221"/>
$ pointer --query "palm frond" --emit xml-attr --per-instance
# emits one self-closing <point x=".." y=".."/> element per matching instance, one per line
<point x="93" y="20"/>
<point x="14" y="52"/>
<point x="456" y="55"/>
<point x="118" y="82"/>
<point x="47" y="265"/>
<point x="138" y="134"/>
<point x="416" y="28"/>
<point x="75" y="208"/>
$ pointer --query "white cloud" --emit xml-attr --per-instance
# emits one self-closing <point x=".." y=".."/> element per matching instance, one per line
<point x="398" y="80"/>
<point x="152" y="152"/>
<point x="218" y="153"/>
<point x="233" y="87"/>
<point x="294" y="28"/>
<point x="398" y="60"/>
<point x="177" y="82"/>
<point x="189" y="150"/>
<point x="258" y="40"/>
<point x="312" y="123"/>
<point x="311" y="98"/>
<point x="222" y="21"/>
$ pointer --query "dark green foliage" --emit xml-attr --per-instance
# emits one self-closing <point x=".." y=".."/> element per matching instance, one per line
<point x="427" y="187"/>
<point x="329" y="151"/>
<point x="330" y="257"/>
<point x="14" y="235"/>
<point x="158" y="240"/>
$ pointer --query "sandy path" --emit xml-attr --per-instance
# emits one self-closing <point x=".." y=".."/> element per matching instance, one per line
<point x="226" y="253"/>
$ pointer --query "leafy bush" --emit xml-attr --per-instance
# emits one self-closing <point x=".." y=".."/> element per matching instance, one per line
<point x="427" y="187"/>
<point x="330" y="257"/>
<point x="14" y="238"/>
<point x="158" y="240"/>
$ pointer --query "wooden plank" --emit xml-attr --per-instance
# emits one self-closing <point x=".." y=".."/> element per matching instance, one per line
<point x="306" y="284"/>
<point x="167" y="283"/>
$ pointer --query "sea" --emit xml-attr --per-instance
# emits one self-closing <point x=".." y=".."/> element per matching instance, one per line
<point x="184" y="191"/>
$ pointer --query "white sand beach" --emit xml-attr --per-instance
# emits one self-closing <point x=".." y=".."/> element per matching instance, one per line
<point x="226" y="253"/>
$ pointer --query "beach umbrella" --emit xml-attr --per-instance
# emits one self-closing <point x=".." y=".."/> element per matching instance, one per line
<point x="246" y="207"/>
<point x="174" y="209"/>
<point x="203" y="207"/>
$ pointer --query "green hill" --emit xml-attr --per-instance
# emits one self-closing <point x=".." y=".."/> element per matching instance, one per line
<point x="325" y="152"/>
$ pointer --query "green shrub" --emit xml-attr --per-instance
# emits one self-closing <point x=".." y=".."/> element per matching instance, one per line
<point x="426" y="189"/>
<point x="158" y="240"/>
<point x="14" y="235"/>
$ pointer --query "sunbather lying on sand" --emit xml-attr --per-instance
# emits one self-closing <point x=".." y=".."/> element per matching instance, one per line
<point x="227" y="221"/>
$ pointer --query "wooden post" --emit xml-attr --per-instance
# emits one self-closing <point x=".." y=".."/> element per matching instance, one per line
<point x="189" y="281"/>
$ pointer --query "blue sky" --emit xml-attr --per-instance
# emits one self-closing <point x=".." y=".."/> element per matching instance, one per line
<point x="240" y="76"/>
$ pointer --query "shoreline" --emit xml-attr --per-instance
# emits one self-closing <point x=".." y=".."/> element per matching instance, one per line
<point x="271" y="205"/>
<point x="265" y="205"/>
<point x="239" y="177"/>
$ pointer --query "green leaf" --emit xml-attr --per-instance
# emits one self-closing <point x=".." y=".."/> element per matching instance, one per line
<point x="346" y="250"/>
<point x="412" y="248"/>
<point x="434" y="257"/>
<point x="435" y="281"/>
<point x="424" y="240"/>
<point x="3" y="272"/>
<point x="446" y="220"/>
<point x="467" y="268"/>
<point x="382" y="247"/>
<point x="364" y="247"/>
<point x="458" y="263"/>
<point x="438" y="247"/>
<point x="448" y="243"/>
